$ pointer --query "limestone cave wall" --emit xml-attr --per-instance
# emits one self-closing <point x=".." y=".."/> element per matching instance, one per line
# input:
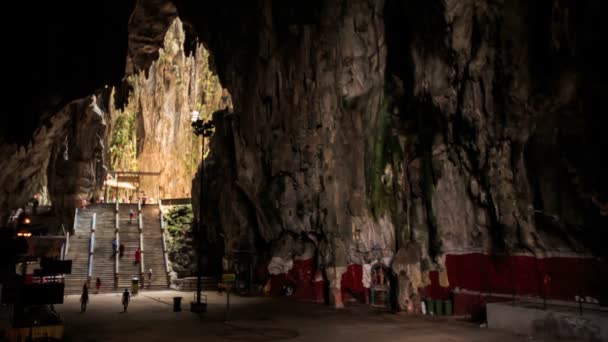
<point x="362" y="128"/>
<point x="396" y="131"/>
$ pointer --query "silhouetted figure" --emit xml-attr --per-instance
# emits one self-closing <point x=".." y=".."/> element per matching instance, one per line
<point x="149" y="278"/>
<point x="126" y="297"/>
<point x="84" y="298"/>
<point x="98" y="284"/>
<point x="143" y="199"/>
<point x="35" y="204"/>
<point x="131" y="215"/>
<point x="121" y="250"/>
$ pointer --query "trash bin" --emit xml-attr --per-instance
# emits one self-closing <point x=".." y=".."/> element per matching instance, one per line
<point x="134" y="286"/>
<point x="438" y="307"/>
<point x="177" y="304"/>
<point x="447" y="306"/>
<point x="430" y="306"/>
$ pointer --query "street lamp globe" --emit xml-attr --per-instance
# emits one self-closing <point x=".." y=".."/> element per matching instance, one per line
<point x="194" y="116"/>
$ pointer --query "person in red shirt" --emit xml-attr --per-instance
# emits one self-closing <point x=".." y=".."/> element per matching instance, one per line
<point x="137" y="256"/>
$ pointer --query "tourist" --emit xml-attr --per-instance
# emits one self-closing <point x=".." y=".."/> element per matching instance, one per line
<point x="114" y="247"/>
<point x="98" y="284"/>
<point x="137" y="256"/>
<point x="84" y="298"/>
<point x="35" y="204"/>
<point x="143" y="199"/>
<point x="131" y="215"/>
<point x="126" y="296"/>
<point x="121" y="250"/>
<point x="149" y="278"/>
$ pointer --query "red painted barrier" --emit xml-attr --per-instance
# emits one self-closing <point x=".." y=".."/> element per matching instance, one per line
<point x="488" y="274"/>
<point x="352" y="284"/>
<point x="301" y="276"/>
<point x="555" y="277"/>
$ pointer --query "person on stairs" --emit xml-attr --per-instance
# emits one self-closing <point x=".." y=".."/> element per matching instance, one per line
<point x="137" y="256"/>
<point x="150" y="278"/>
<point x="126" y="296"/>
<point x="131" y="215"/>
<point x="84" y="298"/>
<point x="98" y="284"/>
<point x="114" y="248"/>
<point x="121" y="250"/>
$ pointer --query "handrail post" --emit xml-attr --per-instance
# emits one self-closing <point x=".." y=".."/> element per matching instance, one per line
<point x="91" y="249"/>
<point x="117" y="237"/>
<point x="141" y="242"/>
<point x="164" y="242"/>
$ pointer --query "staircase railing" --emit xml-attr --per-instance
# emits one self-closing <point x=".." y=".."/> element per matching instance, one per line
<point x="91" y="248"/>
<point x="140" y="223"/>
<point x="117" y="237"/>
<point x="66" y="244"/>
<point x="163" y="239"/>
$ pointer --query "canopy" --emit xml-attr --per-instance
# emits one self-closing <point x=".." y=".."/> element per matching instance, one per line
<point x="123" y="185"/>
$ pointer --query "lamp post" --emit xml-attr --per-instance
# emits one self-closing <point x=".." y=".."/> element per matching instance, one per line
<point x="204" y="129"/>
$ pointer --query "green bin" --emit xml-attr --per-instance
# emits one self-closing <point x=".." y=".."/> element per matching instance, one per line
<point x="438" y="307"/>
<point x="134" y="286"/>
<point x="447" y="306"/>
<point x="430" y="307"/>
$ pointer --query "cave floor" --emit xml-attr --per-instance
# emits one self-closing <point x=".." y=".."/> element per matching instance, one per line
<point x="151" y="318"/>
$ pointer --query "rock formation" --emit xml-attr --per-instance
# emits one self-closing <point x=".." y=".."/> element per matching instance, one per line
<point x="161" y="100"/>
<point x="367" y="129"/>
<point x="452" y="125"/>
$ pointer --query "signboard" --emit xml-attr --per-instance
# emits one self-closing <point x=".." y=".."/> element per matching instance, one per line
<point x="228" y="278"/>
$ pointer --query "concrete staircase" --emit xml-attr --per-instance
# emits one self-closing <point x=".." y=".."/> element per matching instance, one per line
<point x="153" y="249"/>
<point x="78" y="252"/>
<point x="103" y="258"/>
<point x="129" y="236"/>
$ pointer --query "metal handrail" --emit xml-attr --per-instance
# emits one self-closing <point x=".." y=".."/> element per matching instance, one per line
<point x="164" y="242"/>
<point x="117" y="237"/>
<point x="91" y="246"/>
<point x="140" y="223"/>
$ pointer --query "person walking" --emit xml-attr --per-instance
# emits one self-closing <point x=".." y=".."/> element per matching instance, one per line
<point x="137" y="256"/>
<point x="131" y="215"/>
<point x="84" y="298"/>
<point x="98" y="284"/>
<point x="126" y="297"/>
<point x="143" y="199"/>
<point x="121" y="250"/>
<point x="149" y="277"/>
<point x="114" y="247"/>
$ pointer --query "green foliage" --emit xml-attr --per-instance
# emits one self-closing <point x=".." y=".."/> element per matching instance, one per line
<point x="123" y="142"/>
<point x="178" y="220"/>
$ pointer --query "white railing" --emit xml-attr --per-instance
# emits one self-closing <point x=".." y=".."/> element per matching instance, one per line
<point x="117" y="237"/>
<point x="164" y="241"/>
<point x="91" y="246"/>
<point x="140" y="223"/>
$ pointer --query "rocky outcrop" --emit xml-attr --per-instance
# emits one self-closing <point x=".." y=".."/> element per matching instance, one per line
<point x="76" y="168"/>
